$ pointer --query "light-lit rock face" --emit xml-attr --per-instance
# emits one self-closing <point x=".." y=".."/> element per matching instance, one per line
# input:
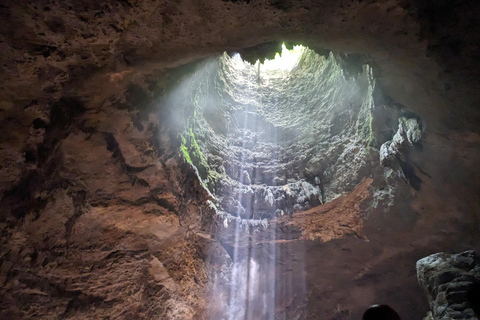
<point x="103" y="217"/>
<point x="452" y="284"/>
<point x="278" y="142"/>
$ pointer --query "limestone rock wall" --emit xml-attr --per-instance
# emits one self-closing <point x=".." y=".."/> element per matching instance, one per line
<point x="278" y="142"/>
<point x="452" y="284"/>
<point x="98" y="224"/>
<point x="101" y="218"/>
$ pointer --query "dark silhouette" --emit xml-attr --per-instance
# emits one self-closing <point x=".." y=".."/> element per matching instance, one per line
<point x="380" y="312"/>
<point x="473" y="297"/>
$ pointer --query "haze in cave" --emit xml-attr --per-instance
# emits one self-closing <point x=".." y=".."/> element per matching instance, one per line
<point x="239" y="159"/>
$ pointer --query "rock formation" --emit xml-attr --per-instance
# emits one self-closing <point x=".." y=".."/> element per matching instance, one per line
<point x="123" y="188"/>
<point x="451" y="282"/>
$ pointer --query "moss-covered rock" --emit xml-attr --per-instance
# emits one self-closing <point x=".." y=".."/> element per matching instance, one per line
<point x="266" y="141"/>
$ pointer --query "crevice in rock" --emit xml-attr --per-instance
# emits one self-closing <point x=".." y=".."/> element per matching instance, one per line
<point x="131" y="171"/>
<point x="394" y="153"/>
<point x="165" y="204"/>
<point x="409" y="172"/>
<point x="82" y="300"/>
<point x="20" y="199"/>
<point x="25" y="196"/>
<point x="113" y="146"/>
<point x="63" y="113"/>
<point x="78" y="199"/>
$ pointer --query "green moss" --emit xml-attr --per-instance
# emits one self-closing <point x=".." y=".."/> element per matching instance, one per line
<point x="214" y="177"/>
<point x="185" y="153"/>
<point x="196" y="151"/>
<point x="184" y="149"/>
<point x="194" y="155"/>
<point x="371" y="141"/>
<point x="196" y="99"/>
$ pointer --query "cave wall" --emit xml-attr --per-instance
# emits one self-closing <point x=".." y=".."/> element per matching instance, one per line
<point x="99" y="216"/>
<point x="451" y="283"/>
<point x="278" y="141"/>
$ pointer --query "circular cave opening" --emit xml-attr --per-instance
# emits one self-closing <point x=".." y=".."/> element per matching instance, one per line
<point x="288" y="146"/>
<point x="282" y="135"/>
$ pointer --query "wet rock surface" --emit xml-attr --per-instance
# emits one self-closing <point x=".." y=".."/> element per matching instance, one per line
<point x="452" y="284"/>
<point x="102" y="217"/>
<point x="288" y="141"/>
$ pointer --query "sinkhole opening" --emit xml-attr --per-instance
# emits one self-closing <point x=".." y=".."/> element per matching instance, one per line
<point x="284" y="135"/>
<point x="282" y="63"/>
<point x="274" y="140"/>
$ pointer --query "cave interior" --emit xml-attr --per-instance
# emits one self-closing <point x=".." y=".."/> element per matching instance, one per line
<point x="255" y="159"/>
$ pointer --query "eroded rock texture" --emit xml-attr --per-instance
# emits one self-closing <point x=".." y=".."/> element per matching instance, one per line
<point x="272" y="143"/>
<point x="104" y="217"/>
<point x="452" y="284"/>
<point x="88" y="247"/>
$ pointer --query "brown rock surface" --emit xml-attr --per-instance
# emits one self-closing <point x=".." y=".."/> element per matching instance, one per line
<point x="102" y="219"/>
